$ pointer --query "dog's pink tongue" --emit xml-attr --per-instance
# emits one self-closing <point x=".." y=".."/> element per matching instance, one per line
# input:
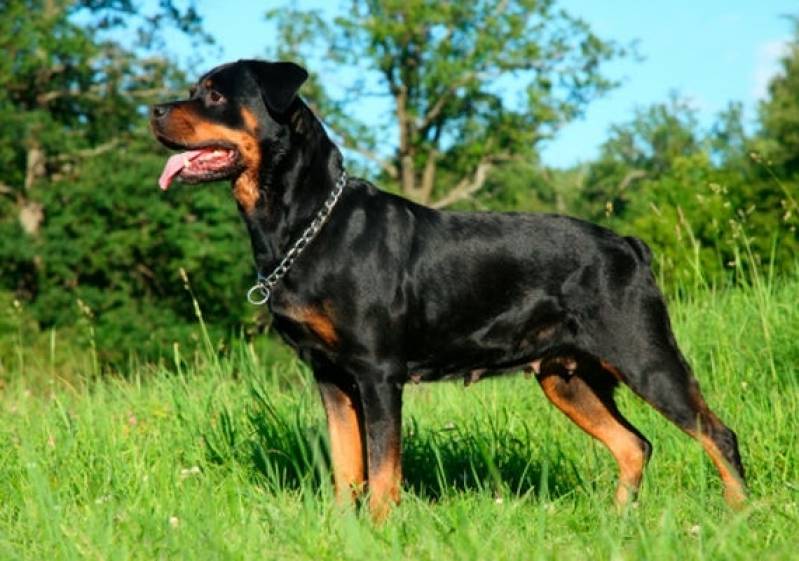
<point x="174" y="165"/>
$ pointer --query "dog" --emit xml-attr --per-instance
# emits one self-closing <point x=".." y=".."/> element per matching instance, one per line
<point x="374" y="291"/>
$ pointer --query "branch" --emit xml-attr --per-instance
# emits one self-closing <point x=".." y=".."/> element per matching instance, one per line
<point x="428" y="175"/>
<point x="350" y="144"/>
<point x="438" y="106"/>
<point x="468" y="186"/>
<point x="90" y="152"/>
<point x="162" y="91"/>
<point x="35" y="161"/>
<point x="631" y="176"/>
<point x="433" y="113"/>
<point x="96" y="93"/>
<point x="408" y="179"/>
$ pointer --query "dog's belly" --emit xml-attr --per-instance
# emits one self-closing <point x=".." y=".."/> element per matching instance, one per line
<point x="509" y="341"/>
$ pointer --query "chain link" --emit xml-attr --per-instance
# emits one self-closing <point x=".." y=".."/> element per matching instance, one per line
<point x="264" y="285"/>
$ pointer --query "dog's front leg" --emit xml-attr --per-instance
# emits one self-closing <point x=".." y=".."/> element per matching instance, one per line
<point x="345" y="428"/>
<point x="381" y="397"/>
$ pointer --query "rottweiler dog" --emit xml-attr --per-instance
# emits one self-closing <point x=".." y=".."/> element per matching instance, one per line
<point x="374" y="291"/>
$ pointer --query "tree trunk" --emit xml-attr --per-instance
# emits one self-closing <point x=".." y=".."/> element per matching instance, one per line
<point x="31" y="213"/>
<point x="428" y="177"/>
<point x="407" y="168"/>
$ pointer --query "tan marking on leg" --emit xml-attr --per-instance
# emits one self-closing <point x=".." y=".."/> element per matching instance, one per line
<point x="734" y="491"/>
<point x="346" y="444"/>
<point x="384" y="484"/>
<point x="582" y="405"/>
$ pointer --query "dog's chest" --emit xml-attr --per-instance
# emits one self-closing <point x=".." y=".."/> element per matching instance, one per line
<point x="308" y="324"/>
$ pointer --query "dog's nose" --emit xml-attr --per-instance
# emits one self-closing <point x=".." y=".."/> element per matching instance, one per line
<point x="159" y="111"/>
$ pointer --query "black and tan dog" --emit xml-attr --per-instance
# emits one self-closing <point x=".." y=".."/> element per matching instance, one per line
<point x="390" y="291"/>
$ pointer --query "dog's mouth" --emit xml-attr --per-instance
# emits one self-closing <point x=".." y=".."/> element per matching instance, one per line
<point x="199" y="164"/>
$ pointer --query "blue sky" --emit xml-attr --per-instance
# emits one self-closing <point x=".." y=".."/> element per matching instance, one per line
<point x="711" y="52"/>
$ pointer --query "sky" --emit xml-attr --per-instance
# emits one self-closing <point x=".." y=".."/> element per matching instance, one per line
<point x="711" y="52"/>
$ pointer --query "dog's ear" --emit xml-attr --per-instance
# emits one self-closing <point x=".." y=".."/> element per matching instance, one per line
<point x="279" y="82"/>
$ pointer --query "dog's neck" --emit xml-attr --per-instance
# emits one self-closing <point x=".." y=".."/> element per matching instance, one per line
<point x="296" y="178"/>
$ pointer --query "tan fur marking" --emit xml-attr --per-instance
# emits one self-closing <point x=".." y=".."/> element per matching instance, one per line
<point x="245" y="190"/>
<point x="346" y="444"/>
<point x="607" y="367"/>
<point x="250" y="121"/>
<point x="318" y="320"/>
<point x="186" y="127"/>
<point x="583" y="406"/>
<point x="734" y="492"/>
<point x="384" y="484"/>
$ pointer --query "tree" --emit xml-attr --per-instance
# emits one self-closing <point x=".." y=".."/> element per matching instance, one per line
<point x="67" y="92"/>
<point x="775" y="150"/>
<point x="81" y="218"/>
<point x="644" y="148"/>
<point x="695" y="195"/>
<point x="113" y="242"/>
<point x="470" y="85"/>
<point x="779" y="114"/>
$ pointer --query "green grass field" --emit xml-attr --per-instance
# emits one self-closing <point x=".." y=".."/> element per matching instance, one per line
<point x="204" y="458"/>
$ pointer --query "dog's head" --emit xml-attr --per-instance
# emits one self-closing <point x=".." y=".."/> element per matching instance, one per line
<point x="230" y="114"/>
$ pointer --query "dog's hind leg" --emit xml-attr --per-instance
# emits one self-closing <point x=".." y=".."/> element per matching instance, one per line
<point x="668" y="385"/>
<point x="648" y="360"/>
<point x="586" y="398"/>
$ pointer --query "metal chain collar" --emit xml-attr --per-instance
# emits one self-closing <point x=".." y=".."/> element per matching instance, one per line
<point x="264" y="285"/>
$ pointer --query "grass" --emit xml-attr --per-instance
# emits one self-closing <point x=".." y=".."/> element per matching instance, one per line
<point x="226" y="459"/>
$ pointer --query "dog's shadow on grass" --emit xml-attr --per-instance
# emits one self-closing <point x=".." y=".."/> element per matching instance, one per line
<point x="286" y="452"/>
<point x="486" y="459"/>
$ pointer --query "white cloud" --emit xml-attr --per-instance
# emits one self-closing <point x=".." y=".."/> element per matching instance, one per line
<point x="767" y="65"/>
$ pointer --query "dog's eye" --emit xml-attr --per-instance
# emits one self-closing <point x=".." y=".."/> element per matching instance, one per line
<point x="215" y="98"/>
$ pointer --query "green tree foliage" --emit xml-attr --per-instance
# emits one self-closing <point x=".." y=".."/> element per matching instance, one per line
<point x="81" y="218"/>
<point x="469" y="90"/>
<point x="702" y="199"/>
<point x="775" y="150"/>
<point x="470" y="85"/>
<point x="779" y="114"/>
<point x="118" y="245"/>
